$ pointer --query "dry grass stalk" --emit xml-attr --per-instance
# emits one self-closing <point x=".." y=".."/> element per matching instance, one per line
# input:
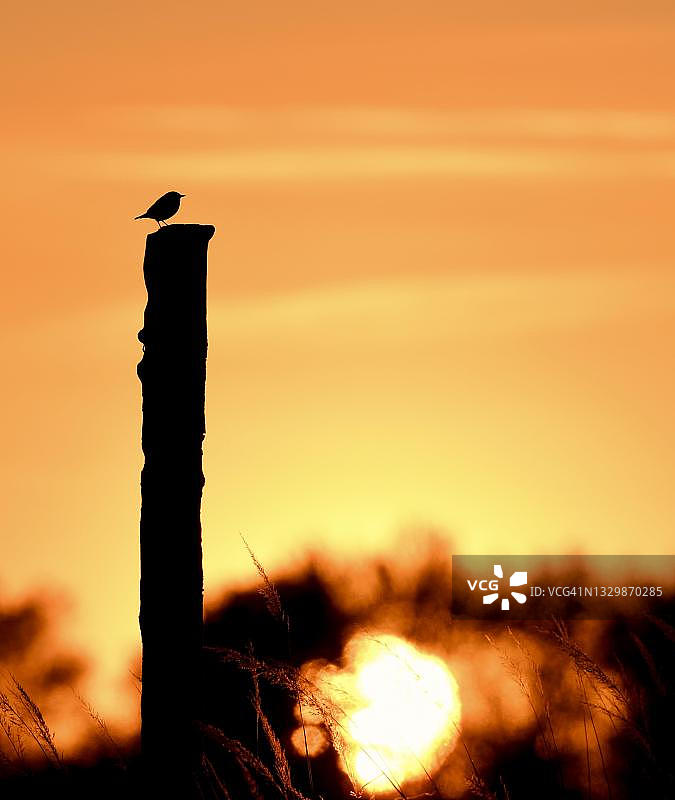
<point x="518" y="675"/>
<point x="479" y="788"/>
<point x="21" y="719"/>
<point x="268" y="590"/>
<point x="102" y="726"/>
<point x="280" y="761"/>
<point x="253" y="769"/>
<point x="583" y="661"/>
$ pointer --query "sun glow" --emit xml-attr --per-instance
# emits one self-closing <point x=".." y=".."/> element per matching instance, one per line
<point x="400" y="710"/>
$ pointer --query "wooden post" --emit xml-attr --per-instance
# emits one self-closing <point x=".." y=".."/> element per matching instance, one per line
<point x="173" y="375"/>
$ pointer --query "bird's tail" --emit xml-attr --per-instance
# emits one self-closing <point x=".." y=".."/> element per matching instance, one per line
<point x="142" y="216"/>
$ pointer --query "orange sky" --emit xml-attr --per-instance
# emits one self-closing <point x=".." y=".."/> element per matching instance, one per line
<point x="441" y="288"/>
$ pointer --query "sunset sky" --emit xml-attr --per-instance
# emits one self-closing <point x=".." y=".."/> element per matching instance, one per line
<point x="441" y="291"/>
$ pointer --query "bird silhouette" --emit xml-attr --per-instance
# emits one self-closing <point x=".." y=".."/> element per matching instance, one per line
<point x="162" y="209"/>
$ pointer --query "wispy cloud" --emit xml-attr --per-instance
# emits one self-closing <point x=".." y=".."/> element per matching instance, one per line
<point x="393" y="123"/>
<point x="449" y="308"/>
<point x="363" y="163"/>
<point x="215" y="144"/>
<point x="387" y="313"/>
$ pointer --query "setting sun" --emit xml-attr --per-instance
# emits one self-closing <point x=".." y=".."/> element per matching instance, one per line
<point x="401" y="710"/>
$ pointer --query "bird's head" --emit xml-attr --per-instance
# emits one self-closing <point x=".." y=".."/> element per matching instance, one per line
<point x="176" y="195"/>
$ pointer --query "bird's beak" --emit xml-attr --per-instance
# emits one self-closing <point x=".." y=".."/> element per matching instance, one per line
<point x="183" y="195"/>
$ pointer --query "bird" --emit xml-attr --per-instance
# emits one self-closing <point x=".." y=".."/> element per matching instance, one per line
<point x="162" y="209"/>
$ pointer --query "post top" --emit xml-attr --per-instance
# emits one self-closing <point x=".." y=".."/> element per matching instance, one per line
<point x="178" y="231"/>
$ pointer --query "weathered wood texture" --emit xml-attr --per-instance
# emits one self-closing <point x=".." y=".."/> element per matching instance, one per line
<point x="173" y="375"/>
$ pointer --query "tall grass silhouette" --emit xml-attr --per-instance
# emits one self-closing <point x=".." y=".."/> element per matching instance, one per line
<point x="599" y="701"/>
